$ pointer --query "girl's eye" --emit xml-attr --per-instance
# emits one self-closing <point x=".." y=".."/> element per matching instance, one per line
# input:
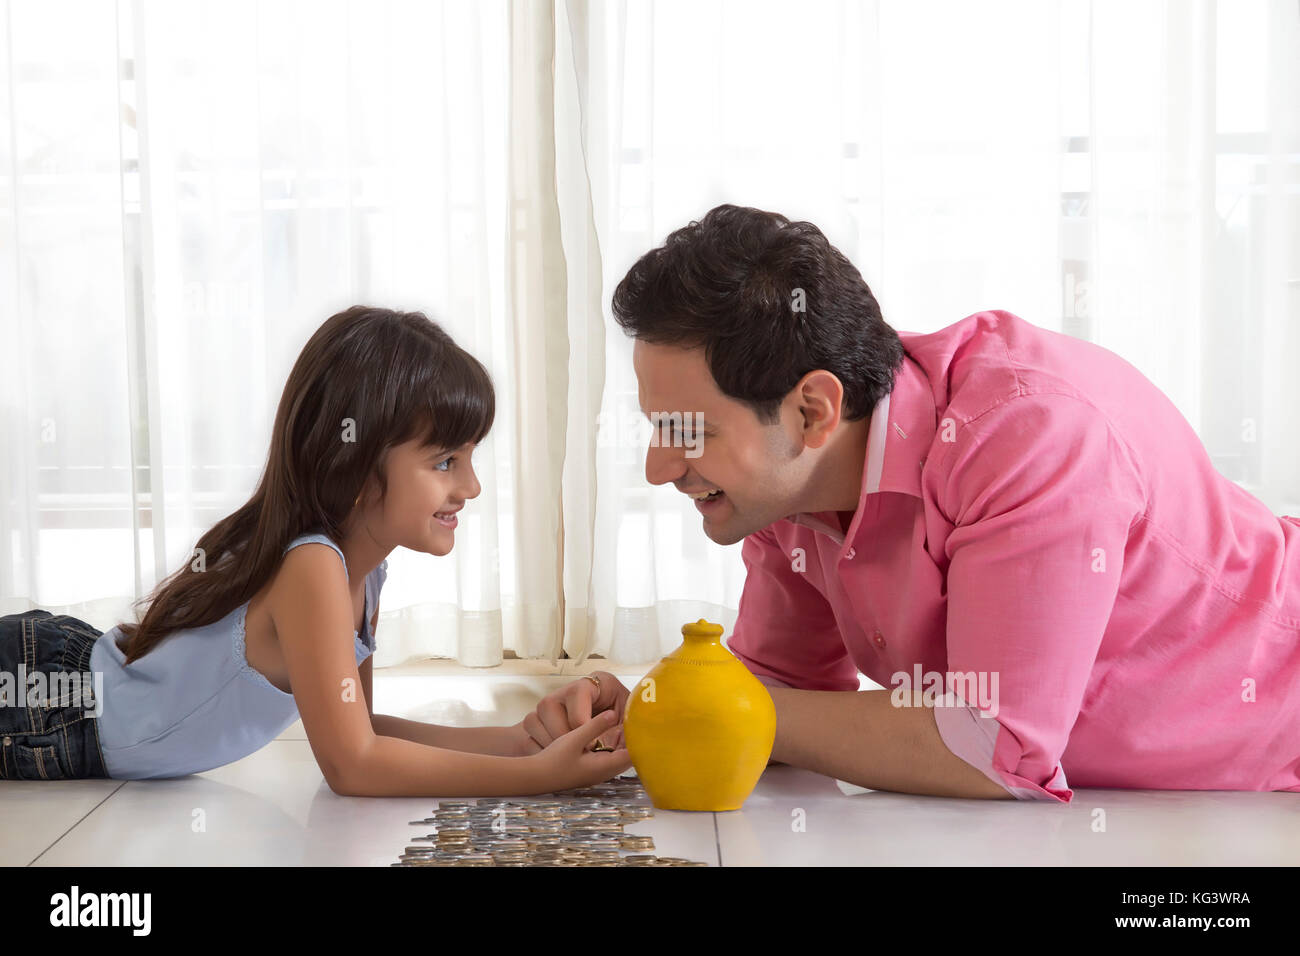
<point x="445" y="461"/>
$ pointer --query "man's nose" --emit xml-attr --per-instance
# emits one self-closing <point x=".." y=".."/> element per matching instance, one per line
<point x="664" y="463"/>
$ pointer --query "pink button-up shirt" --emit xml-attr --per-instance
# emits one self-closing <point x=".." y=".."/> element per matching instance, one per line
<point x="1040" y="522"/>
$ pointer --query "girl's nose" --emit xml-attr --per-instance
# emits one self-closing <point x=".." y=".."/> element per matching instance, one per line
<point x="474" y="488"/>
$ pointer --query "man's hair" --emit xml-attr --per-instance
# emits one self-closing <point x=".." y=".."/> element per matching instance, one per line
<point x="769" y="300"/>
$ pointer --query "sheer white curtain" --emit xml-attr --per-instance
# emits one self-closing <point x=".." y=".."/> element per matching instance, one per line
<point x="1121" y="171"/>
<point x="188" y="189"/>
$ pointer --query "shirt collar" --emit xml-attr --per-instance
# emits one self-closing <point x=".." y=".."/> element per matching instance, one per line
<point x="903" y="426"/>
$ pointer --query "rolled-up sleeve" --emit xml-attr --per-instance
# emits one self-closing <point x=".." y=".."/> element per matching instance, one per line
<point x="1042" y="494"/>
<point x="785" y="630"/>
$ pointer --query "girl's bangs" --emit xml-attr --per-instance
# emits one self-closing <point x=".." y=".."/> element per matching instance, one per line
<point x="458" y="407"/>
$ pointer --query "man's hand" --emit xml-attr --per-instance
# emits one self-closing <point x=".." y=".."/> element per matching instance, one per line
<point x="572" y="706"/>
<point x="567" y="762"/>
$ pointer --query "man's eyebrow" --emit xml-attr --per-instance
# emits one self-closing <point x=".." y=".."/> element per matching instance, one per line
<point x="687" y="419"/>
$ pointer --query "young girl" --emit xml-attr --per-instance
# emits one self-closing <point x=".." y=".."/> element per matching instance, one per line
<point x="273" y="616"/>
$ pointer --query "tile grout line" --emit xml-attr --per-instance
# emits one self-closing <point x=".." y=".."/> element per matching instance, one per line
<point x="77" y="824"/>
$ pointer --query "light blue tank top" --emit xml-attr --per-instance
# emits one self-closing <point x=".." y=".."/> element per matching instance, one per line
<point x="193" y="702"/>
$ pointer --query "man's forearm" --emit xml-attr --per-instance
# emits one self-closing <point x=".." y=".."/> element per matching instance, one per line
<point x="861" y="738"/>
<point x="498" y="741"/>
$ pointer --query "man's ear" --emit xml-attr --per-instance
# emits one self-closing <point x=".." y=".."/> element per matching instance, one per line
<point x="821" y="398"/>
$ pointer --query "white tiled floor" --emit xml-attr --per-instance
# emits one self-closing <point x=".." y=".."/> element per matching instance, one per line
<point x="274" y="808"/>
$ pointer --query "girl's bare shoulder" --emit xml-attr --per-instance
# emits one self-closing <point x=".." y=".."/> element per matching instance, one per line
<point x="312" y="571"/>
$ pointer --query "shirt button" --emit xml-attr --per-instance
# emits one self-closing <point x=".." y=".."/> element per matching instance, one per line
<point x="878" y="638"/>
<point x="851" y="553"/>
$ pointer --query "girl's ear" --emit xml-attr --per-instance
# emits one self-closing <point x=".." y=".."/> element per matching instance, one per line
<point x="367" y="493"/>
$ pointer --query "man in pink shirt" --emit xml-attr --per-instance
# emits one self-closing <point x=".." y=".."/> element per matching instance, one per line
<point x="1011" y="530"/>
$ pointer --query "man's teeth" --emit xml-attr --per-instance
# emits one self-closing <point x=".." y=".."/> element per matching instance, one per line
<point x="705" y="494"/>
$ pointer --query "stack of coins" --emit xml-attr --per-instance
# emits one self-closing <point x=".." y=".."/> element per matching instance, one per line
<point x="581" y="827"/>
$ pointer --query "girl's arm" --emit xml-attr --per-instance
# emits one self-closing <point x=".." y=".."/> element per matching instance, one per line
<point x="313" y="619"/>
<point x="498" y="741"/>
<point x="392" y="767"/>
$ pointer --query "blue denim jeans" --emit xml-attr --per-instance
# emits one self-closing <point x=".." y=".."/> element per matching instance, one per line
<point x="47" y="732"/>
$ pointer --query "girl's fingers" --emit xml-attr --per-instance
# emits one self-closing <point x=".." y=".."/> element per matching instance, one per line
<point x="609" y="764"/>
<point x="592" y="729"/>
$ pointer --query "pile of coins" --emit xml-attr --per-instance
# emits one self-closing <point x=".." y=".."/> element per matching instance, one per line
<point x="582" y="827"/>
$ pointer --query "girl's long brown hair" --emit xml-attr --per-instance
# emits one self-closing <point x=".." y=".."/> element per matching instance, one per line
<point x="396" y="376"/>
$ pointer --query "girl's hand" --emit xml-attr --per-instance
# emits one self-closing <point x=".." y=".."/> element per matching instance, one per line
<point x="567" y="762"/>
<point x="571" y="707"/>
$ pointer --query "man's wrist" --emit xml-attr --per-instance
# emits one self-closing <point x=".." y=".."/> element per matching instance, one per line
<point x="516" y="742"/>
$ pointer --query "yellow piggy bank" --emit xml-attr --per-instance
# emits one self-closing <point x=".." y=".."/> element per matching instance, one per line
<point x="699" y="727"/>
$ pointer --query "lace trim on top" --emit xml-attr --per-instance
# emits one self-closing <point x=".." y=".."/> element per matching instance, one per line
<point x="240" y="651"/>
